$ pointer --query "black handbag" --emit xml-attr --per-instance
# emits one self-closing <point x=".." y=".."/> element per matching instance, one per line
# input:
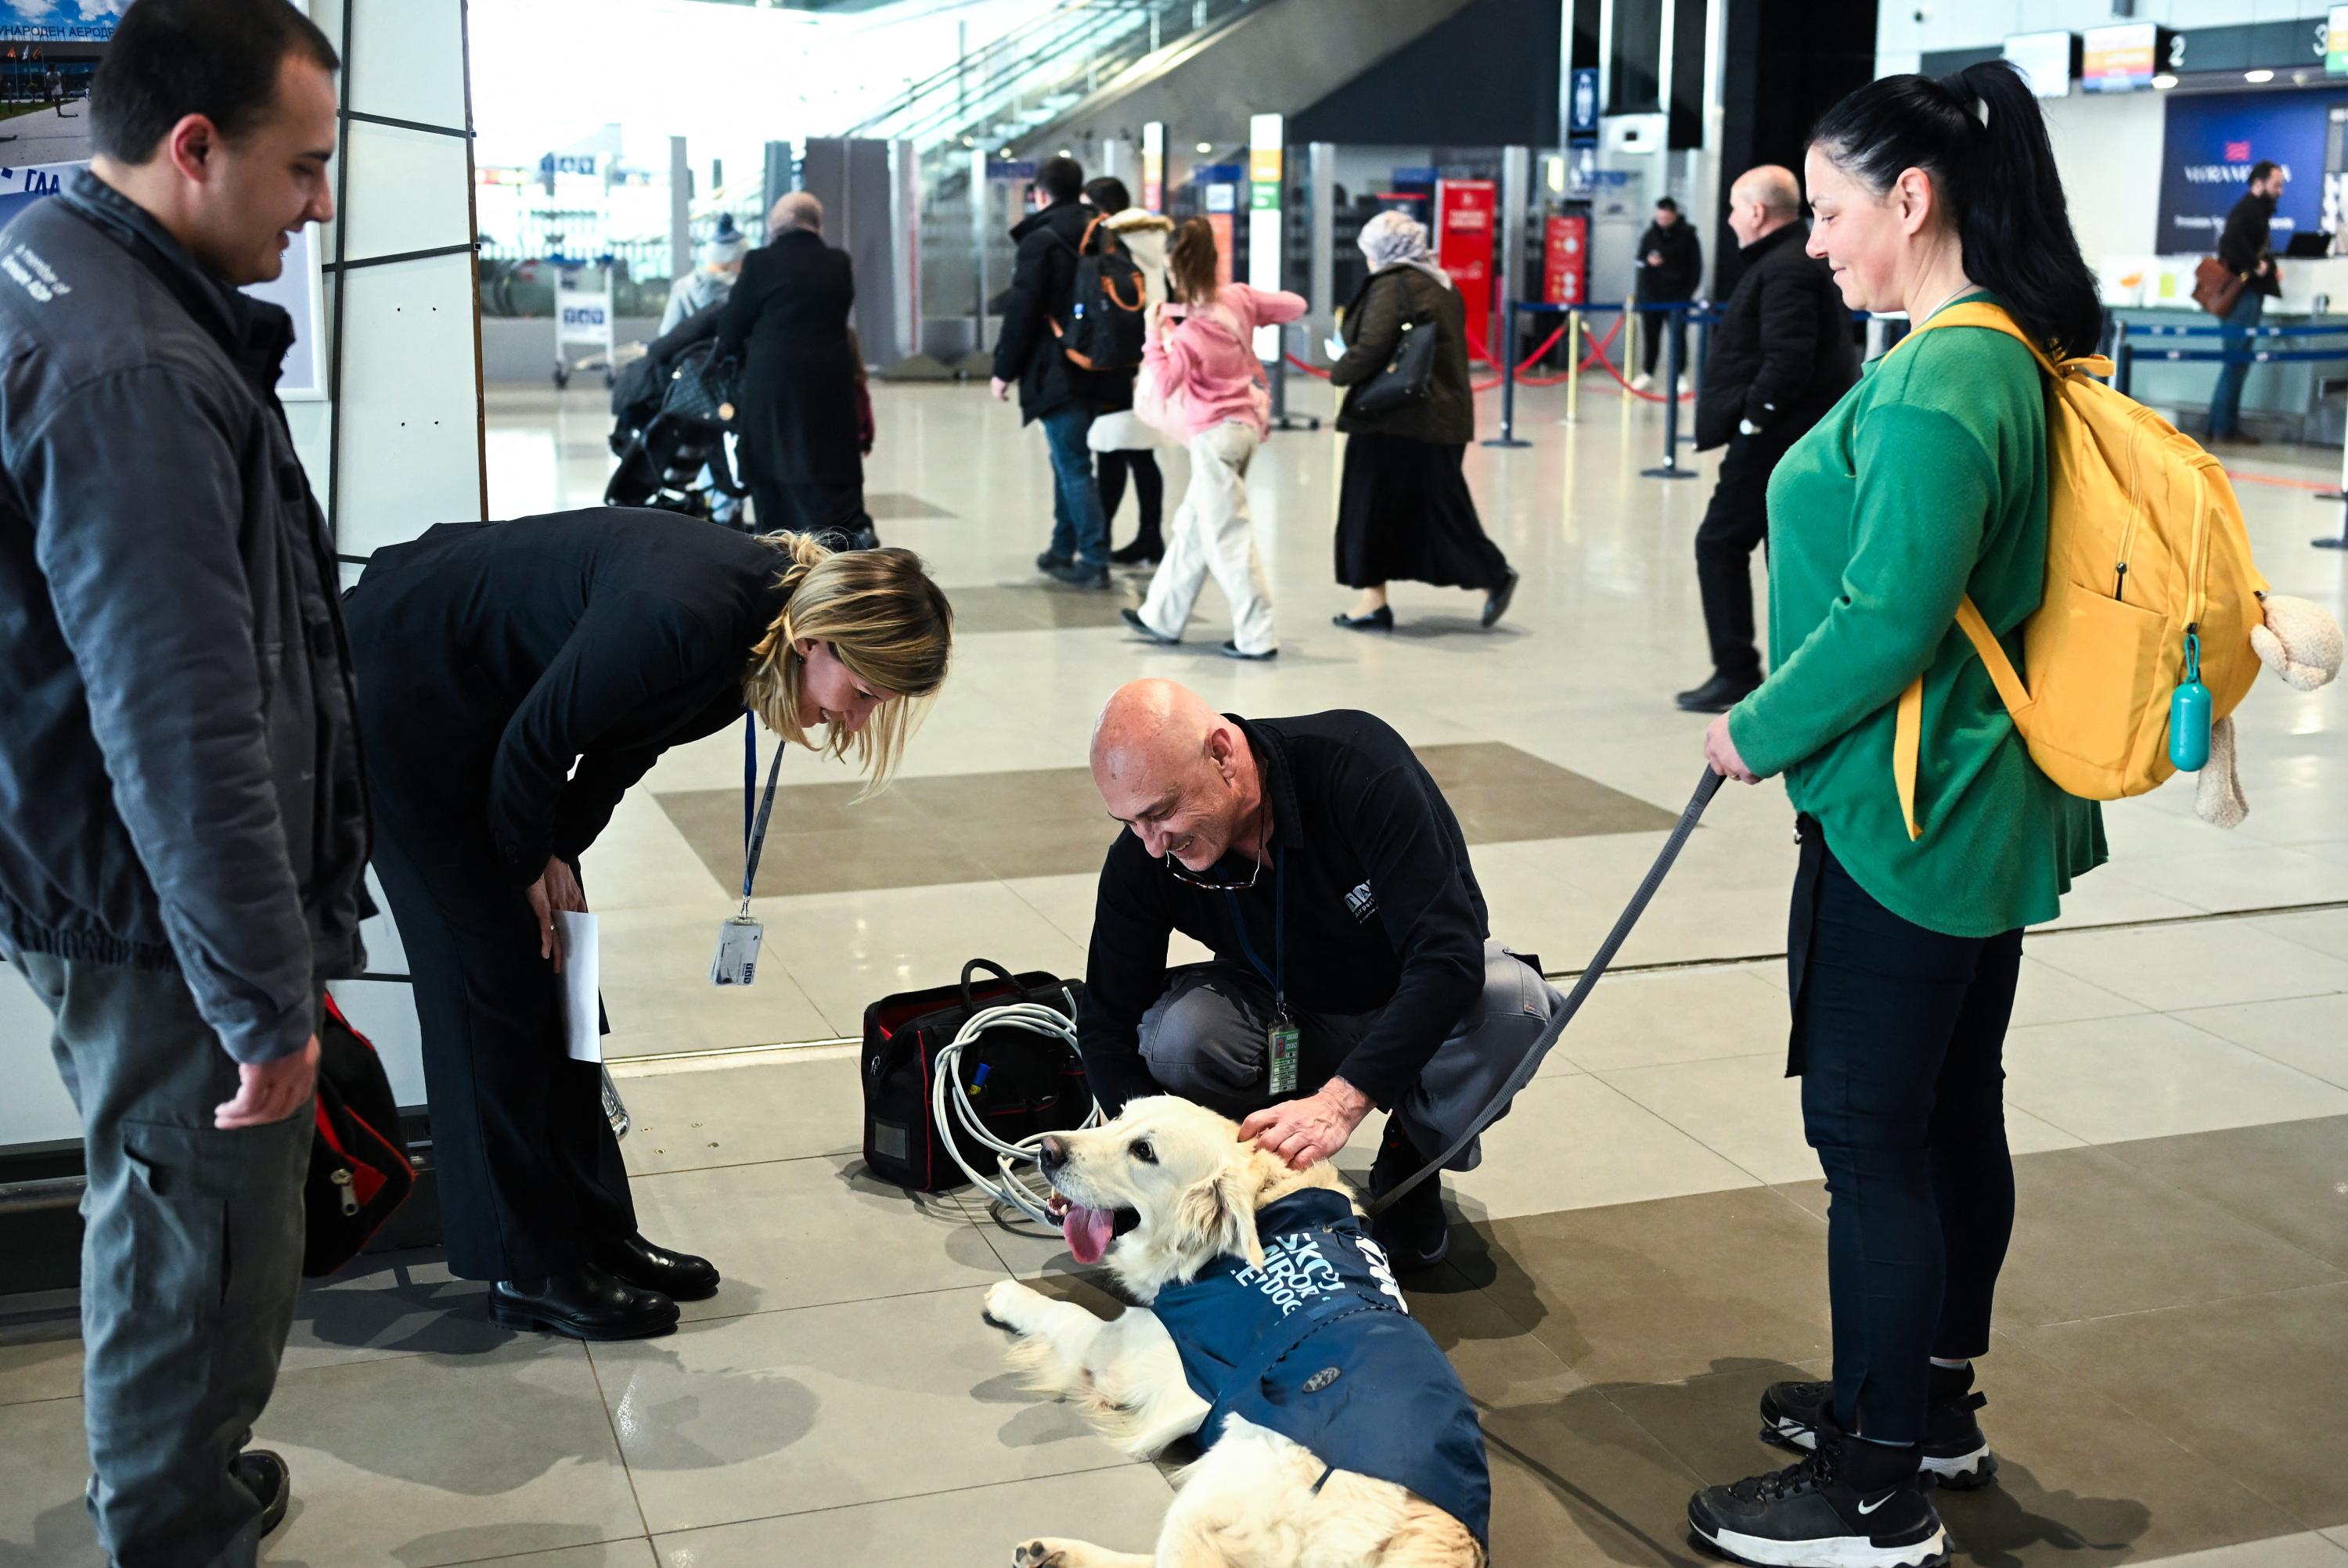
<point x="1407" y="376"/>
<point x="700" y="390"/>
<point x="1022" y="1084"/>
<point x="359" y="1174"/>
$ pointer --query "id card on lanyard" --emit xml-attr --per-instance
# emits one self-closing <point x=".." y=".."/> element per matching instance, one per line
<point x="1281" y="1037"/>
<point x="737" y="963"/>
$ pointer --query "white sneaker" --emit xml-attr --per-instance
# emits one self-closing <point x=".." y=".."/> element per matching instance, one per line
<point x="1642" y="382"/>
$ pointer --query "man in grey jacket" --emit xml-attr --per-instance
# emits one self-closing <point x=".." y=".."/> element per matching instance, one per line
<point x="183" y="832"/>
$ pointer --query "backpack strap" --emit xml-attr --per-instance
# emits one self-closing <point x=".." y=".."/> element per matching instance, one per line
<point x="1908" y="726"/>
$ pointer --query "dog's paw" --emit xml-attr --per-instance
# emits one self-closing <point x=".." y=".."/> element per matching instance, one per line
<point x="1042" y="1554"/>
<point x="1006" y="1302"/>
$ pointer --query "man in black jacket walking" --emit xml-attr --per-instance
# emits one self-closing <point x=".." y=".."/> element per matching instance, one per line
<point x="183" y="836"/>
<point x="1052" y="390"/>
<point x="1671" y="264"/>
<point x="2244" y="246"/>
<point x="1781" y="356"/>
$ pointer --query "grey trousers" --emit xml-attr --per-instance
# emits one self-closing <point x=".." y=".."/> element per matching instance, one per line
<point x="1205" y="1040"/>
<point x="192" y="1255"/>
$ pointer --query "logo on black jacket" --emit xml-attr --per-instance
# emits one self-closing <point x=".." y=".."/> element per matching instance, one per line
<point x="1361" y="902"/>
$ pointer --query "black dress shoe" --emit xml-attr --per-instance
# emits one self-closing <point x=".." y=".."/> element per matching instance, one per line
<point x="1132" y="618"/>
<point x="1077" y="574"/>
<point x="272" y="1484"/>
<point x="1379" y="620"/>
<point x="1497" y="605"/>
<point x="585" y="1304"/>
<point x="1415" y="1232"/>
<point x="1143" y="551"/>
<point x="1717" y="695"/>
<point x="679" y="1276"/>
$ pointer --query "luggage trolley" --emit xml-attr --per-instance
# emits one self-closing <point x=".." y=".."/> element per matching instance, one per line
<point x="582" y="318"/>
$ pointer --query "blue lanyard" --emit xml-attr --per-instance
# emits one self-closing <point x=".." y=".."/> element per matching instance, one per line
<point x="754" y="831"/>
<point x="1278" y="973"/>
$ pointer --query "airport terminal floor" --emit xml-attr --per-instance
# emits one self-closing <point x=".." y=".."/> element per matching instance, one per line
<point x="1642" y="1249"/>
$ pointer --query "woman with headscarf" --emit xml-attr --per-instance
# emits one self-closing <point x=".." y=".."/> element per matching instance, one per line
<point x="1404" y="511"/>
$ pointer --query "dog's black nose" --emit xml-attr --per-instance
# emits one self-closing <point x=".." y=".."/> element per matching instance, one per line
<point x="1054" y="1153"/>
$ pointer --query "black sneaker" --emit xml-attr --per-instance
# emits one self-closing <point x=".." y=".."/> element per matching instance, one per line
<point x="1813" y="1515"/>
<point x="1132" y="618"/>
<point x="1415" y="1232"/>
<point x="1076" y="574"/>
<point x="1233" y="650"/>
<point x="1047" y="563"/>
<point x="1954" y="1453"/>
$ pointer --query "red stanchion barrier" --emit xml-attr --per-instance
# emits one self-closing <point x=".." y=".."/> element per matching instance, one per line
<point x="1309" y="370"/>
<point x="1546" y="344"/>
<point x="1649" y="397"/>
<point x="1587" y="359"/>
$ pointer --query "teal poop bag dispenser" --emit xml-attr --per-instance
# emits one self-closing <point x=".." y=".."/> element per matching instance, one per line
<point x="2188" y="713"/>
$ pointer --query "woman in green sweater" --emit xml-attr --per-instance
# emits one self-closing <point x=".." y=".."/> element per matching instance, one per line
<point x="1927" y="482"/>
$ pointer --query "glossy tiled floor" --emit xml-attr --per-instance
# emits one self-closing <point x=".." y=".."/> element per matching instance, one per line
<point x="1643" y="1246"/>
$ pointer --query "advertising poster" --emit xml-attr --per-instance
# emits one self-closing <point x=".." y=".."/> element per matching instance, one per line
<point x="49" y="49"/>
<point x="2213" y="140"/>
<point x="1465" y="211"/>
<point x="1565" y="258"/>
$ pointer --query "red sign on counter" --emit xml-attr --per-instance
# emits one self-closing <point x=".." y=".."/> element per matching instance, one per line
<point x="1565" y="260"/>
<point x="1465" y="214"/>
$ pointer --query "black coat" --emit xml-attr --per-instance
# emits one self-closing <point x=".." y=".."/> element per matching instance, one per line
<point x="1782" y="350"/>
<point x="787" y="322"/>
<point x="1390" y="297"/>
<point x="1043" y="291"/>
<point x="1682" y="266"/>
<point x="510" y="651"/>
<point x="2245" y="244"/>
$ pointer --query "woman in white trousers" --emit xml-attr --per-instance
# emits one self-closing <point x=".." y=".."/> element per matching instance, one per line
<point x="1200" y="376"/>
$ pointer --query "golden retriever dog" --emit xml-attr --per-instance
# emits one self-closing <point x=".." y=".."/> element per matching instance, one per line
<point x="1265" y="1311"/>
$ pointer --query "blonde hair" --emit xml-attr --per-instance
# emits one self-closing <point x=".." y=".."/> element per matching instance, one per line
<point x="884" y="619"/>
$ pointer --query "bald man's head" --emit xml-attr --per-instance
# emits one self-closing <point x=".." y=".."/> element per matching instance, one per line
<point x="1176" y="771"/>
<point x="798" y="211"/>
<point x="1761" y="201"/>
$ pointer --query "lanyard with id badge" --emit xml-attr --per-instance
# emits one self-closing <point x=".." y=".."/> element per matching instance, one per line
<point x="1280" y="1038"/>
<point x="737" y="963"/>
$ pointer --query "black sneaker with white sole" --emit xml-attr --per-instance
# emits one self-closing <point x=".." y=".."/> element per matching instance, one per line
<point x="1813" y="1515"/>
<point x="1954" y="1453"/>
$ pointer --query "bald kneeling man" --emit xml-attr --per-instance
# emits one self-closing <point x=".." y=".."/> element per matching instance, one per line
<point x="1354" y="966"/>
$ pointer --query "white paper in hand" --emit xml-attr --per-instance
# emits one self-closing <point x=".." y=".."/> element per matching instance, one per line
<point x="581" y="969"/>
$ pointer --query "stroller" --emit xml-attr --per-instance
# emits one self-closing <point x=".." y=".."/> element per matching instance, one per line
<point x="673" y="455"/>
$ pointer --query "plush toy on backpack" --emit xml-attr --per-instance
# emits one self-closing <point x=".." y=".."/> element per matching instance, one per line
<point x="2299" y="641"/>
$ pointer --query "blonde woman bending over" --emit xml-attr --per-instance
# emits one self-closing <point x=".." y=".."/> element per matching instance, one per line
<point x="512" y="681"/>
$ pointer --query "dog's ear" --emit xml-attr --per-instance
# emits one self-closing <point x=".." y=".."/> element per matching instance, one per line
<point x="1217" y="1216"/>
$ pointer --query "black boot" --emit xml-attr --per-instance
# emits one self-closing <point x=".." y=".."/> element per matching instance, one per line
<point x="1850" y="1504"/>
<point x="1415" y="1232"/>
<point x="1718" y="694"/>
<point x="1954" y="1453"/>
<point x="1147" y="550"/>
<point x="679" y="1276"/>
<point x="585" y="1303"/>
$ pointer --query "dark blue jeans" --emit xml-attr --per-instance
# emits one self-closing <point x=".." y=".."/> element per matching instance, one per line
<point x="2226" y="399"/>
<point x="1079" y="527"/>
<point x="1900" y="1036"/>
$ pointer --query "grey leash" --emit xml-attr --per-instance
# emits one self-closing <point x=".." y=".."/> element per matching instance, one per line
<point x="1581" y="989"/>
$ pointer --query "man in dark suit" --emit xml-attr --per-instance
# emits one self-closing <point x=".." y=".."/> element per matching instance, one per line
<point x="1781" y="356"/>
<point x="1052" y="391"/>
<point x="785" y="323"/>
<point x="1671" y="264"/>
<point x="2245" y="248"/>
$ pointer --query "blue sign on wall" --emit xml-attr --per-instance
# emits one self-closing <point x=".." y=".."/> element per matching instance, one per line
<point x="2213" y="142"/>
<point x="1583" y="102"/>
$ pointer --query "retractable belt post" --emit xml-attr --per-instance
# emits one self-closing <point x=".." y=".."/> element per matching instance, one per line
<point x="1508" y="437"/>
<point x="1670" y="467"/>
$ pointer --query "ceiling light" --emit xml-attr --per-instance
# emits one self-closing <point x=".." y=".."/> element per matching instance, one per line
<point x="1206" y="147"/>
<point x="2260" y="76"/>
<point x="966" y="141"/>
<point x="1065" y="153"/>
<point x="2163" y="82"/>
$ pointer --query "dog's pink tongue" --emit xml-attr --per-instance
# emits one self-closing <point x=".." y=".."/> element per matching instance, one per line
<point x="1088" y="1232"/>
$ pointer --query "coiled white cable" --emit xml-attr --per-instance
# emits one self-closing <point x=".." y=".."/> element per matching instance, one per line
<point x="953" y="1109"/>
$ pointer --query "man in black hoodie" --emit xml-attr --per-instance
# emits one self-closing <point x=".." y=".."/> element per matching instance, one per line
<point x="2244" y="248"/>
<point x="1671" y="264"/>
<point x="1052" y="390"/>
<point x="1781" y="356"/>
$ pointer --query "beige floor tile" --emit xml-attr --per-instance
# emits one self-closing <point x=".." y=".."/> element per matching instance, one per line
<point x="2284" y="1179"/>
<point x="636" y="1553"/>
<point x="40" y="1356"/>
<point x="2309" y="1551"/>
<point x="2310" y="1033"/>
<point x="2047" y="995"/>
<point x="658" y="998"/>
<point x="1649" y="1020"/>
<point x="1576" y="1143"/>
<point x="429" y="1459"/>
<point x="2147" y="1077"/>
<point x="2097" y="899"/>
<point x="1067" y="903"/>
<point x="721" y="1111"/>
<point x="1744" y="1109"/>
<point x="2204" y="964"/>
<point x="43" y="1466"/>
<point x="2237" y="876"/>
<point x="806" y="1233"/>
<point x="2325" y="930"/>
<point x="642" y="862"/>
<point x="1118" y="1508"/>
<point x="391" y="1303"/>
<point x="819" y="1408"/>
<point x="2338" y="1537"/>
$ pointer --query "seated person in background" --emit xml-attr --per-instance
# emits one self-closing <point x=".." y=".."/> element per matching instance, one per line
<point x="1321" y="863"/>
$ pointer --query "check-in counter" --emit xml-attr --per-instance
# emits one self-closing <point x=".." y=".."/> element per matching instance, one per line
<point x="2291" y="400"/>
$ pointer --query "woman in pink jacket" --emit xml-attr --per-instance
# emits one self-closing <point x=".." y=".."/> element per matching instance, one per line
<point x="1201" y="362"/>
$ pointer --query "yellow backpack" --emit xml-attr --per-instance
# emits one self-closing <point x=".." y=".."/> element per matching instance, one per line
<point x="2145" y="543"/>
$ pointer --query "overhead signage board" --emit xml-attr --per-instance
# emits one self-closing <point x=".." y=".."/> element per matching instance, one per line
<point x="2044" y="61"/>
<point x="1267" y="135"/>
<point x="2335" y="42"/>
<point x="2211" y="141"/>
<point x="2120" y="58"/>
<point x="1582" y="105"/>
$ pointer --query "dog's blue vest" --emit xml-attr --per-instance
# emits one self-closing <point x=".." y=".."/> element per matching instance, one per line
<point x="1318" y="1346"/>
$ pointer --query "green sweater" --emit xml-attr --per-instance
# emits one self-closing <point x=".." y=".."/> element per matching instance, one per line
<point x="1927" y="482"/>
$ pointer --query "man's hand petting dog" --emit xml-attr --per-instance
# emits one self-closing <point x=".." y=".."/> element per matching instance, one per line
<point x="1307" y="1130"/>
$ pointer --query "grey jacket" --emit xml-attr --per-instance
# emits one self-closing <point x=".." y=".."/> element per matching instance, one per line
<point x="180" y="781"/>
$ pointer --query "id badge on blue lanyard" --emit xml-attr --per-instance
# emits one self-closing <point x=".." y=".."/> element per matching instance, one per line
<point x="737" y="963"/>
<point x="1281" y="1038"/>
